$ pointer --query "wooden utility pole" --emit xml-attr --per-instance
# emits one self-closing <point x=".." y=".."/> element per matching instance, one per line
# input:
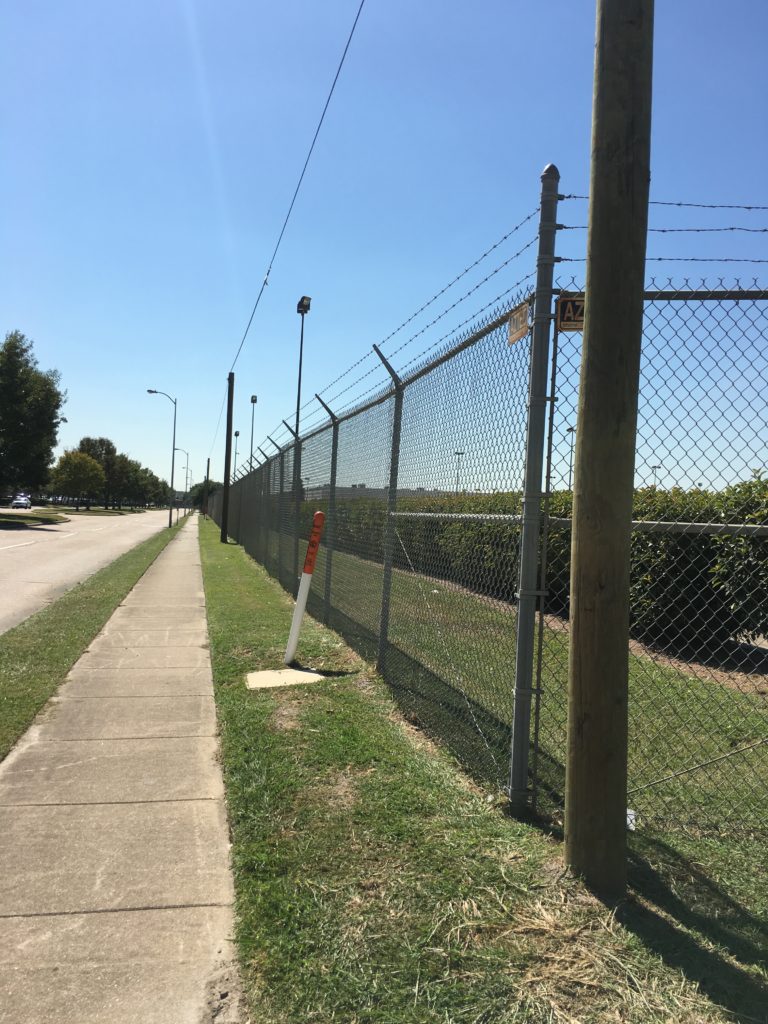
<point x="596" y="772"/>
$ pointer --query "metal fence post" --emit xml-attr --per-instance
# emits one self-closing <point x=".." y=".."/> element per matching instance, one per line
<point x="296" y="504"/>
<point x="330" y="525"/>
<point x="280" y="504"/>
<point x="527" y="592"/>
<point x="389" y="526"/>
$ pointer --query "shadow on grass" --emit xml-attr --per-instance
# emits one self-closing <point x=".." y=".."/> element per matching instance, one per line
<point x="681" y="906"/>
<point x="680" y="912"/>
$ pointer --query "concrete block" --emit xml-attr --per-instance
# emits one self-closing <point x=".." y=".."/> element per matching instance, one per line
<point x="271" y="678"/>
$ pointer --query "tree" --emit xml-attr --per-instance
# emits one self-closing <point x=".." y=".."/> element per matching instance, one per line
<point x="105" y="453"/>
<point x="197" y="492"/>
<point x="78" y="476"/>
<point x="30" y="405"/>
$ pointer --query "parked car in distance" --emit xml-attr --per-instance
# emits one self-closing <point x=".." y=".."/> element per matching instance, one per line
<point x="21" y="501"/>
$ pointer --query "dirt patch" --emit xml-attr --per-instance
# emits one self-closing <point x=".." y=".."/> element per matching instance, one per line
<point x="224" y="1002"/>
<point x="335" y="792"/>
<point x="286" y="716"/>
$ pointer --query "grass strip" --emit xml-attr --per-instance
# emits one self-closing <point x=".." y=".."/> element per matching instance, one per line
<point x="19" y="520"/>
<point x="375" y="884"/>
<point x="36" y="655"/>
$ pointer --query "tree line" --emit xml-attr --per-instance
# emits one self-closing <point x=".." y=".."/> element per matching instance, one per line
<point x="31" y="401"/>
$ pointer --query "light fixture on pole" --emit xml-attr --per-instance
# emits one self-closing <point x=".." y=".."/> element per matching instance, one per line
<point x="234" y="470"/>
<point x="572" y="432"/>
<point x="458" y="468"/>
<point x="654" y="470"/>
<point x="154" y="391"/>
<point x="254" y="399"/>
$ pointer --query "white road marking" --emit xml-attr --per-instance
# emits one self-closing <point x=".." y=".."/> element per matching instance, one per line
<point x="26" y="544"/>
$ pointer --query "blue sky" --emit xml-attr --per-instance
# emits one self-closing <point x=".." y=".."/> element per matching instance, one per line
<point x="151" y="149"/>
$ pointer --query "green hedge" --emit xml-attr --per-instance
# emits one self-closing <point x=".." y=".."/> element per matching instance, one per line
<point x="687" y="590"/>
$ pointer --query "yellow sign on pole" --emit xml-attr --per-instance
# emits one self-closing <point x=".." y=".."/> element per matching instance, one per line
<point x="570" y="312"/>
<point x="518" y="322"/>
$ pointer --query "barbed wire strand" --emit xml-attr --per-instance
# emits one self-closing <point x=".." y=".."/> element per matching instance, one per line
<point x="675" y="259"/>
<point x="694" y="206"/>
<point x="429" y="302"/>
<point x="465" y="295"/>
<point x="675" y="231"/>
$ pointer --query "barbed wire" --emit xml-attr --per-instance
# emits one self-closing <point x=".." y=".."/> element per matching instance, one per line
<point x="463" y="274"/>
<point x="466" y="295"/>
<point x="435" y="297"/>
<point x="475" y="316"/>
<point x="675" y="259"/>
<point x="693" y="206"/>
<point x="674" y="231"/>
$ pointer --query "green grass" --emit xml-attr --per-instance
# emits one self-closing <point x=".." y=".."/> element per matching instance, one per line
<point x="17" y="520"/>
<point x="678" y="718"/>
<point x="36" y="655"/>
<point x="376" y="883"/>
<point x="94" y="511"/>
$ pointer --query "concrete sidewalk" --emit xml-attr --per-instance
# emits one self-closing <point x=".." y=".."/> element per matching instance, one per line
<point x="115" y="887"/>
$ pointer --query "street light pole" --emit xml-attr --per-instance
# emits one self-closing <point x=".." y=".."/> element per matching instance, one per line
<point x="186" y="475"/>
<point x="234" y="470"/>
<point x="653" y="470"/>
<point x="253" y="410"/>
<point x="458" y="468"/>
<point x="572" y="432"/>
<point x="302" y="308"/>
<point x="154" y="391"/>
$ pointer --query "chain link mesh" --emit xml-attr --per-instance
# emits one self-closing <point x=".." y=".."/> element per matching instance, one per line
<point x="698" y="683"/>
<point x="435" y="563"/>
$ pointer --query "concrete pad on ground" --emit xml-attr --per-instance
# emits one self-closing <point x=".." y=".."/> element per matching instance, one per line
<point x="147" y="657"/>
<point x="169" y="636"/>
<point x="120" y="682"/>
<point x="69" y="860"/>
<point x="130" y="718"/>
<point x="270" y="678"/>
<point x="110" y="771"/>
<point x="157" y="967"/>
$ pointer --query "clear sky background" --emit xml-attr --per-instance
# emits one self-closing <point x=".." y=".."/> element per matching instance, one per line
<point x="150" y="150"/>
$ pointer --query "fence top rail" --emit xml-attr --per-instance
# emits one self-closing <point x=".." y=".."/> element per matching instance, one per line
<point x="690" y="294"/>
<point x="638" y="525"/>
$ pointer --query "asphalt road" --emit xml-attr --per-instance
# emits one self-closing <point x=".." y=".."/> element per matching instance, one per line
<point x="39" y="563"/>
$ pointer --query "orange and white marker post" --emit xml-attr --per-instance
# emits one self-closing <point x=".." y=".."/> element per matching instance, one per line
<point x="306" y="578"/>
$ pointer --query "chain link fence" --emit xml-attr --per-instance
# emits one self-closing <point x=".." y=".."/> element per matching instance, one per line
<point x="419" y="566"/>
<point x="698" y="683"/>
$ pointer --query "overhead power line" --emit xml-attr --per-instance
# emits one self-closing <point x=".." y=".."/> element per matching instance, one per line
<point x="298" y="186"/>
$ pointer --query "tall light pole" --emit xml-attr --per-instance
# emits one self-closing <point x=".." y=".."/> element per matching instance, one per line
<point x="186" y="475"/>
<point x="254" y="399"/>
<point x="302" y="308"/>
<point x="458" y="468"/>
<point x="572" y="432"/>
<point x="654" y="470"/>
<point x="234" y="469"/>
<point x="154" y="391"/>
